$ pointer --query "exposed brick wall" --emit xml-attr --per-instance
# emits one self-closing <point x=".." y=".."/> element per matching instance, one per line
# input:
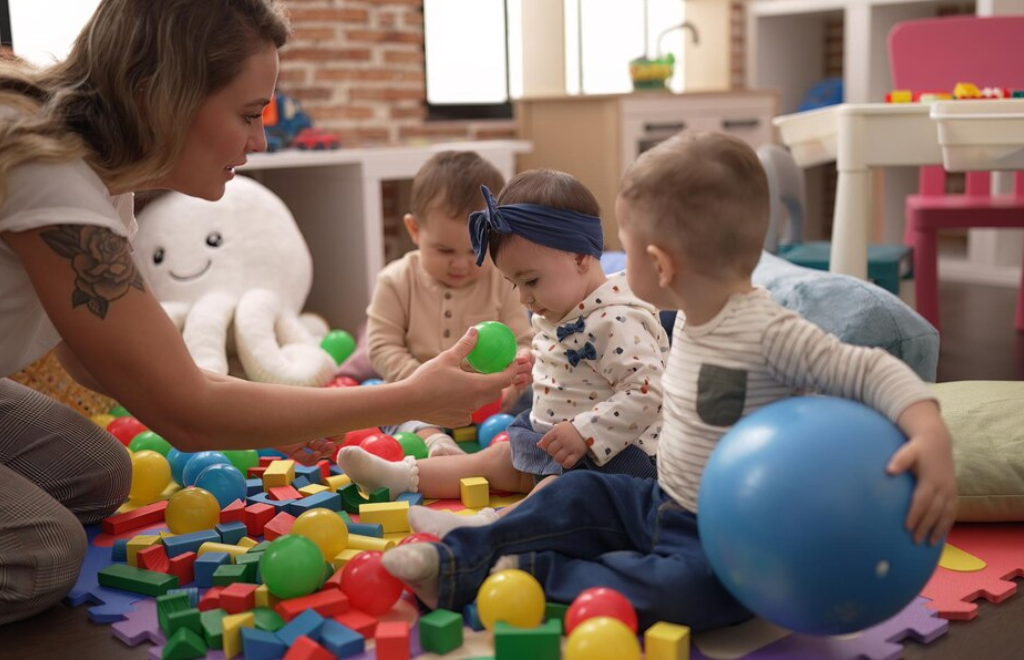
<point x="357" y="67"/>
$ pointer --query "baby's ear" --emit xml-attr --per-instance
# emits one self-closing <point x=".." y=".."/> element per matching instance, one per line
<point x="664" y="263"/>
<point x="413" y="227"/>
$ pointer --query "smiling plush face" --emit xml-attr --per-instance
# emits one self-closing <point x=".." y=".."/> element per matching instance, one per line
<point x="187" y="247"/>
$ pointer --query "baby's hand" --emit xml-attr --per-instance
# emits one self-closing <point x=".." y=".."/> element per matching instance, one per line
<point x="565" y="444"/>
<point x="509" y="397"/>
<point x="308" y="453"/>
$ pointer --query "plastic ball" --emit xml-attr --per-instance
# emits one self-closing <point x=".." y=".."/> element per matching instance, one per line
<point x="178" y="460"/>
<point x="419" y="537"/>
<point x="339" y="344"/>
<point x="243" y="459"/>
<point x="370" y="382"/>
<point x="225" y="481"/>
<point x="325" y="528"/>
<point x="198" y="462"/>
<point x="501" y="437"/>
<point x="353" y="438"/>
<point x="119" y="411"/>
<point x="383" y="446"/>
<point x="103" y="420"/>
<point x="602" y="638"/>
<point x="150" y="476"/>
<point x="343" y="381"/>
<point x="125" y="428"/>
<point x="495" y="347"/>
<point x="151" y="441"/>
<point x="600" y="601"/>
<point x="412" y="444"/>
<point x="803" y="525"/>
<point x="368" y="585"/>
<point x="491" y="427"/>
<point x="292" y="566"/>
<point x="512" y="596"/>
<point x="192" y="510"/>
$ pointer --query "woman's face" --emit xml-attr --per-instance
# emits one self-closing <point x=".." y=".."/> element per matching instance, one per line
<point x="227" y="126"/>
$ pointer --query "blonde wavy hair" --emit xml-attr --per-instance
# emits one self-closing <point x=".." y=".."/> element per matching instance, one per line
<point x="126" y="94"/>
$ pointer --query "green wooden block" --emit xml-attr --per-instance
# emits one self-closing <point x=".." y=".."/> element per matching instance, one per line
<point x="555" y="611"/>
<point x="258" y="548"/>
<point x="351" y="498"/>
<point x="440" y="631"/>
<point x="267" y="619"/>
<point x="213" y="630"/>
<point x="189" y="618"/>
<point x="136" y="580"/>
<point x="231" y="573"/>
<point x="169" y="604"/>
<point x="184" y="645"/>
<point x="540" y="643"/>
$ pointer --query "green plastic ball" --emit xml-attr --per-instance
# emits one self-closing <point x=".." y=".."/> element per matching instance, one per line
<point x="495" y="347"/>
<point x="412" y="444"/>
<point x="119" y="411"/>
<point x="339" y="344"/>
<point x="151" y="441"/>
<point x="243" y="459"/>
<point x="292" y="566"/>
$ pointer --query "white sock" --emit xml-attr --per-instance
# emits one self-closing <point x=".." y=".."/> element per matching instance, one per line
<point x="371" y="472"/>
<point x="504" y="563"/>
<point x="442" y="444"/>
<point x="439" y="523"/>
<point x="417" y="565"/>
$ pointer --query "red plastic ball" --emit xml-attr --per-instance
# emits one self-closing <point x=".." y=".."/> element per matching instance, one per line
<point x="343" y="381"/>
<point x="419" y="537"/>
<point x="125" y="429"/>
<point x="384" y="446"/>
<point x="369" y="587"/>
<point x="353" y="438"/>
<point x="600" y="601"/>
<point x="501" y="437"/>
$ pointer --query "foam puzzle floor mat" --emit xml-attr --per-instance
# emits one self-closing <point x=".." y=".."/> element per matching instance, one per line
<point x="980" y="560"/>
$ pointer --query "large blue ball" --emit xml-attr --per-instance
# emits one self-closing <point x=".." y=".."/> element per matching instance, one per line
<point x="491" y="427"/>
<point x="803" y="525"/>
<point x="178" y="460"/>
<point x="198" y="462"/>
<point x="226" y="482"/>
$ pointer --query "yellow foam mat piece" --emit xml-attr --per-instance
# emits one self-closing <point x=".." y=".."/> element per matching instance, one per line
<point x="955" y="559"/>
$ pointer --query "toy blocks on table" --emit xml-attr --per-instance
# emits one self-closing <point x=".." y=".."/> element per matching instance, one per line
<point x="214" y="546"/>
<point x="191" y="592"/>
<point x="279" y="526"/>
<point x="261" y="645"/>
<point x="190" y="618"/>
<point x="144" y="516"/>
<point x="414" y="499"/>
<point x="337" y="481"/>
<point x="232" y="532"/>
<point x="464" y="434"/>
<point x="313" y="489"/>
<point x="213" y="629"/>
<point x="205" y="566"/>
<point x="305" y="648"/>
<point x="168" y="604"/>
<point x="324" y="500"/>
<point x="475" y="492"/>
<point x="232" y="573"/>
<point x="326" y="603"/>
<point x="283" y="493"/>
<point x="140" y="542"/>
<point x="267" y="619"/>
<point x="255" y="473"/>
<point x="232" y="625"/>
<point x="667" y="641"/>
<point x="182" y="543"/>
<point x="358" y="542"/>
<point x="351" y="498"/>
<point x="256" y="516"/>
<point x="341" y="640"/>
<point x="136" y="580"/>
<point x="247" y="542"/>
<point x="233" y="512"/>
<point x="153" y="558"/>
<point x="541" y="643"/>
<point x="392" y="640"/>
<point x="312" y="473"/>
<point x="210" y="599"/>
<point x="181" y="567"/>
<point x="184" y="645"/>
<point x="238" y="597"/>
<point x="366" y="529"/>
<point x="307" y="624"/>
<point x="392" y="516"/>
<point x="264" y="598"/>
<point x="279" y="473"/>
<point x="359" y="621"/>
<point x="440" y="631"/>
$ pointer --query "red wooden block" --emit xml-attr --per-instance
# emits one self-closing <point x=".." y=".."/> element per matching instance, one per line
<point x="305" y="648"/>
<point x="238" y="597"/>
<point x="182" y="566"/>
<point x="256" y="516"/>
<point x="265" y="461"/>
<point x="334" y="580"/>
<point x="154" y="558"/>
<point x="141" y="517"/>
<point x="233" y="512"/>
<point x="211" y="599"/>
<point x="359" y="621"/>
<point x="393" y="640"/>
<point x="282" y="493"/>
<point x="329" y="602"/>
<point x="256" y="472"/>
<point x="279" y="526"/>
<point x="325" y="468"/>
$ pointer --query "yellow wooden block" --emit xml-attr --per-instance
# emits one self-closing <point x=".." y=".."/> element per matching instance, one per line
<point x="140" y="542"/>
<point x="232" y="626"/>
<point x="344" y="556"/>
<point x="392" y="516"/>
<point x="312" y="489"/>
<point x="247" y="542"/>
<point x="264" y="598"/>
<point x="337" y="481"/>
<point x="233" y="550"/>
<point x="360" y="542"/>
<point x="667" y="641"/>
<point x="464" y="434"/>
<point x="279" y="473"/>
<point x="475" y="492"/>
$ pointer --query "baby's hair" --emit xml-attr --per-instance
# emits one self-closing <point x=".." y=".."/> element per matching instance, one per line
<point x="450" y="183"/>
<point x="705" y="194"/>
<point x="550" y="188"/>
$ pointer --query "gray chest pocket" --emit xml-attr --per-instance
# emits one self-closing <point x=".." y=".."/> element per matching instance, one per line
<point x="721" y="393"/>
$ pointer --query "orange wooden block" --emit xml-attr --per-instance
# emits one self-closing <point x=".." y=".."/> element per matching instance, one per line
<point x="329" y="602"/>
<point x="282" y="493"/>
<point x="233" y="512"/>
<point x="256" y="516"/>
<point x="280" y="525"/>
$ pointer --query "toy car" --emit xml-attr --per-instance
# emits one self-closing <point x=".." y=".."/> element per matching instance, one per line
<point x="316" y="138"/>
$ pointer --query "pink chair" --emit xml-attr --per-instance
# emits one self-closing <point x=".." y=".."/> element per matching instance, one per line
<point x="934" y="55"/>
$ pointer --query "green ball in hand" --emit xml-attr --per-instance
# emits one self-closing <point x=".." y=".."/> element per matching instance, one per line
<point x="412" y="444"/>
<point x="495" y="347"/>
<point x="339" y="344"/>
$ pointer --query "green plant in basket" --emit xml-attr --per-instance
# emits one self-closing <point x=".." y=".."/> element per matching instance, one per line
<point x="651" y="74"/>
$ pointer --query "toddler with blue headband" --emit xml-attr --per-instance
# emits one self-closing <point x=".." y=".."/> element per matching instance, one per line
<point x="598" y="354"/>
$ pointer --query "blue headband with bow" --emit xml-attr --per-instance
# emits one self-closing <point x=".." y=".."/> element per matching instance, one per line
<point x="560" y="229"/>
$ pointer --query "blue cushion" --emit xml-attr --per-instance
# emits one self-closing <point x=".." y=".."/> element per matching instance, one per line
<point x="856" y="311"/>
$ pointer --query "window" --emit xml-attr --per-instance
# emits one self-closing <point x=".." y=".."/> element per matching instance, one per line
<point x="42" y="32"/>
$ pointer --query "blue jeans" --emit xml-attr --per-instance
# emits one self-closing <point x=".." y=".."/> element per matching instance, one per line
<point x="588" y="529"/>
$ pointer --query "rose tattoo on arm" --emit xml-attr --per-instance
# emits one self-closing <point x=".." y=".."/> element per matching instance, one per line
<point x="104" y="270"/>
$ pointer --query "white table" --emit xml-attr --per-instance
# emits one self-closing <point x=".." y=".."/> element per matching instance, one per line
<point x="978" y="135"/>
<point x="335" y="197"/>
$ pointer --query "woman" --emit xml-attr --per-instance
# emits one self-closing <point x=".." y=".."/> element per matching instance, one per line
<point x="153" y="95"/>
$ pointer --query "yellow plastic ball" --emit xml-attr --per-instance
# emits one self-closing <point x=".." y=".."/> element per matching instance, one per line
<point x="512" y="596"/>
<point x="325" y="528"/>
<point x="150" y="475"/>
<point x="192" y="510"/>
<point x="602" y="638"/>
<point x="102" y="420"/>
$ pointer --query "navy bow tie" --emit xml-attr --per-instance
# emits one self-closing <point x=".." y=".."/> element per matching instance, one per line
<point x="588" y="352"/>
<point x="569" y="329"/>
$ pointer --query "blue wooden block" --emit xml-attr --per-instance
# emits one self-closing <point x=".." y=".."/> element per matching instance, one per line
<point x="366" y="529"/>
<point x="206" y="565"/>
<point x="191" y="592"/>
<point x="341" y="640"/>
<point x="253" y="487"/>
<point x="324" y="500"/>
<point x="182" y="543"/>
<point x="232" y="532"/>
<point x="472" y="617"/>
<point x="310" y="472"/>
<point x="335" y="470"/>
<point x="263" y="498"/>
<point x="414" y="499"/>
<point x="262" y="645"/>
<point x="119" y="551"/>
<point x="309" y="623"/>
<point x="300" y="482"/>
